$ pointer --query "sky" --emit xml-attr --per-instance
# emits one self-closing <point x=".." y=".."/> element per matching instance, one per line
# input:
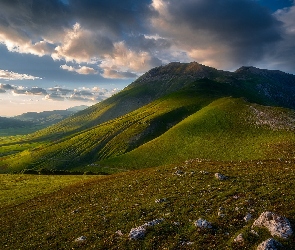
<point x="56" y="54"/>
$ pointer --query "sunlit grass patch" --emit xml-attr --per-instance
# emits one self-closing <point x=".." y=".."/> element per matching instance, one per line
<point x="18" y="188"/>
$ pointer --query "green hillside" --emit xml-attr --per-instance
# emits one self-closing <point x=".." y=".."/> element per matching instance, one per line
<point x="170" y="114"/>
<point x="226" y="129"/>
<point x="117" y="136"/>
<point x="260" y="86"/>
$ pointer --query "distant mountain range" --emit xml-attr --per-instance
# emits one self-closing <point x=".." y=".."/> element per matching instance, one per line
<point x="46" y="118"/>
<point x="170" y="114"/>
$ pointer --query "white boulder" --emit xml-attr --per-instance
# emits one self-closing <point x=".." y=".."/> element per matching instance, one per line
<point x="277" y="225"/>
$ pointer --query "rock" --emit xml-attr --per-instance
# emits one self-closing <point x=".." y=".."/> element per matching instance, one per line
<point x="203" y="224"/>
<point x="179" y="173"/>
<point x="161" y="200"/>
<point x="81" y="239"/>
<point x="187" y="243"/>
<point x="239" y="239"/>
<point x="153" y="223"/>
<point x="248" y="217"/>
<point x="269" y="244"/>
<point x="139" y="232"/>
<point x="220" y="212"/>
<point x="254" y="232"/>
<point x="119" y="233"/>
<point x="220" y="177"/>
<point x="277" y="225"/>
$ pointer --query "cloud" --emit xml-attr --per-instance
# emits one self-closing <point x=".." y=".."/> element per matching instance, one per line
<point x="114" y="74"/>
<point x="82" y="45"/>
<point x="60" y="90"/>
<point x="123" y="39"/>
<point x="9" y="75"/>
<point x="124" y="60"/>
<point x="54" y="97"/>
<point x="82" y="70"/>
<point x="221" y="32"/>
<point x="6" y="86"/>
<point x="29" y="91"/>
<point x="36" y="91"/>
<point x="284" y="54"/>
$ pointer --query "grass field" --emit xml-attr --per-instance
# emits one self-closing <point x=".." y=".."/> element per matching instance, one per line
<point x="19" y="188"/>
<point x="104" y="210"/>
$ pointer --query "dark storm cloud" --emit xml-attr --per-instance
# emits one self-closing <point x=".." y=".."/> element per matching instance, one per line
<point x="35" y="17"/>
<point x="244" y="26"/>
<point x="123" y="39"/>
<point x="116" y="17"/>
<point x="142" y="42"/>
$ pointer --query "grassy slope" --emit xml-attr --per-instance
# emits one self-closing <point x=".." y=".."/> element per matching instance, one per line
<point x="17" y="189"/>
<point x="127" y="200"/>
<point x="120" y="135"/>
<point x="224" y="130"/>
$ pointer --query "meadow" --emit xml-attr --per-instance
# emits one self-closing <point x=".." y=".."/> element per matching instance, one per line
<point x="19" y="188"/>
<point x="105" y="209"/>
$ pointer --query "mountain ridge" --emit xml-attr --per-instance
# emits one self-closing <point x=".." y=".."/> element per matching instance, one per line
<point x="153" y="105"/>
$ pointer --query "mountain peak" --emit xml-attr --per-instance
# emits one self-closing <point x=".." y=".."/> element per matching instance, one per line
<point x="180" y="70"/>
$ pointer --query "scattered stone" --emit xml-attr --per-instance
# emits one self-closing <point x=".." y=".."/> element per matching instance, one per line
<point x="220" y="212"/>
<point x="204" y="172"/>
<point x="239" y="239"/>
<point x="186" y="243"/>
<point x="203" y="224"/>
<point x="139" y="232"/>
<point x="153" y="223"/>
<point x="254" y="232"/>
<point x="81" y="239"/>
<point x="161" y="200"/>
<point x="277" y="225"/>
<point x="179" y="173"/>
<point x="248" y="217"/>
<point x="269" y="244"/>
<point x="76" y="211"/>
<point x="220" y="177"/>
<point x="119" y="232"/>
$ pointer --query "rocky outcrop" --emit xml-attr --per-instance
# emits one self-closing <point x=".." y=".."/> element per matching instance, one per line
<point x="139" y="232"/>
<point x="269" y="244"/>
<point x="277" y="225"/>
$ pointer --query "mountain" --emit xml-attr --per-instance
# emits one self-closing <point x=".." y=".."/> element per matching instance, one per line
<point x="49" y="117"/>
<point x="172" y="113"/>
<point x="33" y="121"/>
<point x="13" y="123"/>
